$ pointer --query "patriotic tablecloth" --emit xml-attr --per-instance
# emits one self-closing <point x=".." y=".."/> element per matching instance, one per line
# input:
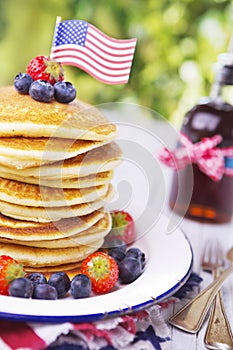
<point x="145" y="330"/>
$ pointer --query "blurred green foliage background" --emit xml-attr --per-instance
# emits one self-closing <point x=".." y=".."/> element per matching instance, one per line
<point x="178" y="43"/>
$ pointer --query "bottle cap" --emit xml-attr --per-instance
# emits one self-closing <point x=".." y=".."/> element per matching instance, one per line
<point x="226" y="59"/>
<point x="225" y="71"/>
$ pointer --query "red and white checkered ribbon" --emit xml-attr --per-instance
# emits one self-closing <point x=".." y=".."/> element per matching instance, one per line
<point x="208" y="157"/>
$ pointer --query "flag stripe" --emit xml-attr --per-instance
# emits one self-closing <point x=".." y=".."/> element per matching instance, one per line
<point x="93" y="51"/>
<point x="103" y="35"/>
<point x="98" y="67"/>
<point x="115" y="44"/>
<point x="106" y="54"/>
<point x="23" y="336"/>
<point x="107" y="49"/>
<point x="92" y="58"/>
<point x="116" y="79"/>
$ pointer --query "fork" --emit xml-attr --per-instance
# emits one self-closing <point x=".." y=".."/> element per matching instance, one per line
<point x="218" y="332"/>
<point x="192" y="315"/>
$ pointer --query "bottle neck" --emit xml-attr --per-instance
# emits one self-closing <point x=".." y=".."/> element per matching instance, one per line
<point x="215" y="92"/>
<point x="222" y="94"/>
<point x="222" y="90"/>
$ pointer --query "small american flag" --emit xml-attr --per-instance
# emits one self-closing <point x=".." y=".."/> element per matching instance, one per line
<point x="78" y="43"/>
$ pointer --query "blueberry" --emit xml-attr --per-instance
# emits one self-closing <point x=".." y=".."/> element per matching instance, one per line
<point x="21" y="287"/>
<point x="116" y="243"/>
<point x="64" y="91"/>
<point x="129" y="270"/>
<point x="80" y="286"/>
<point x="44" y="291"/>
<point x="60" y="281"/>
<point x="117" y="253"/>
<point x="137" y="254"/>
<point x="41" y="90"/>
<point x="37" y="278"/>
<point x="22" y="83"/>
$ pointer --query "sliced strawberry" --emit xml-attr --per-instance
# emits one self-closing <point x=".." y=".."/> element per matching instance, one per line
<point x="123" y="227"/>
<point x="10" y="269"/>
<point x="42" y="67"/>
<point x="102" y="270"/>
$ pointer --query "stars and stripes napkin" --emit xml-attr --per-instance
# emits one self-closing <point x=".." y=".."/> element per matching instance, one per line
<point x="144" y="330"/>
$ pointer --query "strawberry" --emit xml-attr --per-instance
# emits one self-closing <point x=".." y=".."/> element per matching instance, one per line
<point x="10" y="269"/>
<point x="102" y="270"/>
<point x="123" y="227"/>
<point x="42" y="67"/>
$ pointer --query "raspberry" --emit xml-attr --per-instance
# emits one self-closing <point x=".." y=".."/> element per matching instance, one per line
<point x="42" y="67"/>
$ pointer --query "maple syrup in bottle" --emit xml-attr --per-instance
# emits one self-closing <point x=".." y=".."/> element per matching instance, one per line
<point x="193" y="193"/>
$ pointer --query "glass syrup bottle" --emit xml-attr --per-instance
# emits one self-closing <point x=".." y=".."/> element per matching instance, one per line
<point x="202" y="198"/>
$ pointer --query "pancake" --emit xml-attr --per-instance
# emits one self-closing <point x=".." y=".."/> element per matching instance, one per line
<point x="98" y="230"/>
<point x="76" y="182"/>
<point x="39" y="257"/>
<point x="34" y="231"/>
<point x="71" y="269"/>
<point x="21" y="152"/>
<point x="20" y="115"/>
<point x="41" y="196"/>
<point x="101" y="159"/>
<point x="48" y="214"/>
<point x="15" y="163"/>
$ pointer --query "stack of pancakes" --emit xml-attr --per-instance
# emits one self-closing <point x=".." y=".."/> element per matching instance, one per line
<point x="56" y="164"/>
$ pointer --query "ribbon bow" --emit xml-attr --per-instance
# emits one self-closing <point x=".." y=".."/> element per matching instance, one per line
<point x="205" y="154"/>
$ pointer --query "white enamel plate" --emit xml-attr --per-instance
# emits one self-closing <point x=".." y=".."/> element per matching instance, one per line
<point x="169" y="262"/>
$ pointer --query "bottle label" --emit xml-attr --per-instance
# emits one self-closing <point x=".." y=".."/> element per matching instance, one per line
<point x="228" y="166"/>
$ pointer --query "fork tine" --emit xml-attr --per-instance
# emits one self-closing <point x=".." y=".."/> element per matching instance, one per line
<point x="220" y="256"/>
<point x="212" y="256"/>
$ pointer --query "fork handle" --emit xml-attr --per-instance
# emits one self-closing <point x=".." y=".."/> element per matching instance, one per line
<point x="192" y="315"/>
<point x="218" y="332"/>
